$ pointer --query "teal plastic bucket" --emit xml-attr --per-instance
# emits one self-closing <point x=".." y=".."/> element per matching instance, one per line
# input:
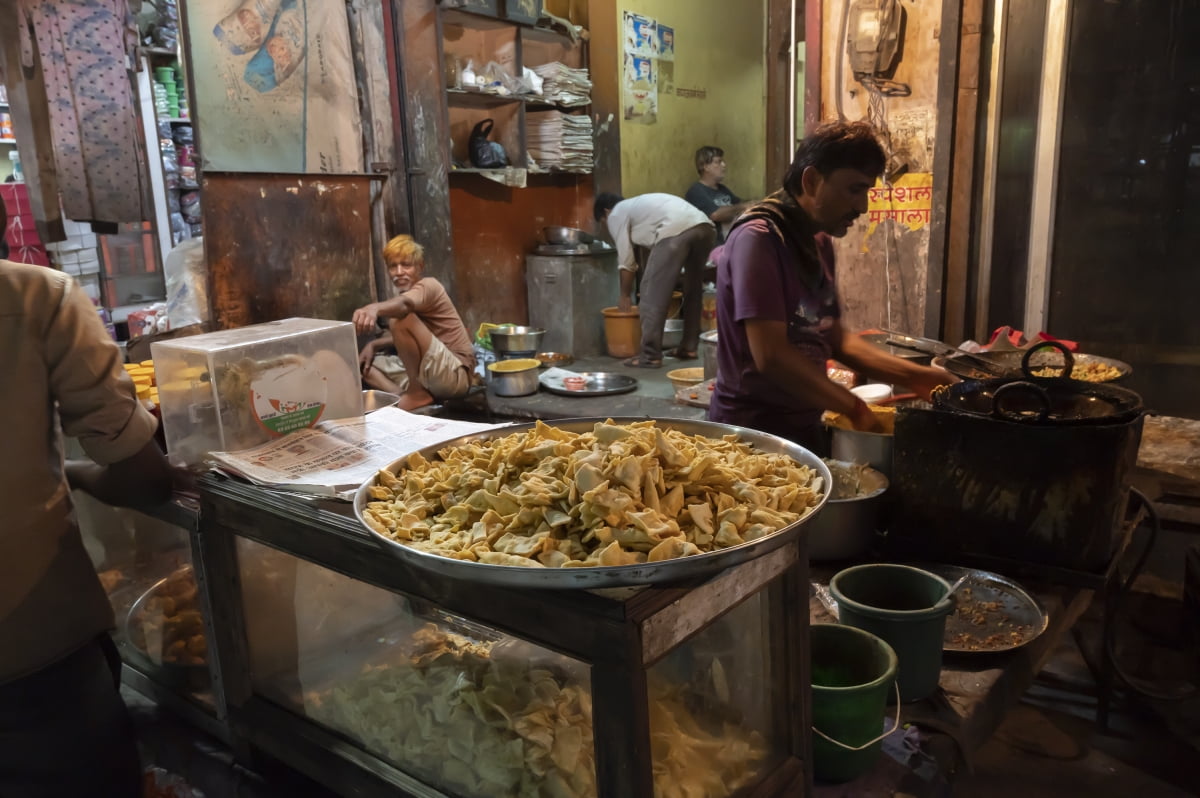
<point x="905" y="606"/>
<point x="853" y="673"/>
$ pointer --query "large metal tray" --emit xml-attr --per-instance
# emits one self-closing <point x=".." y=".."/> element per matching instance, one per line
<point x="599" y="383"/>
<point x="682" y="569"/>
<point x="1015" y="610"/>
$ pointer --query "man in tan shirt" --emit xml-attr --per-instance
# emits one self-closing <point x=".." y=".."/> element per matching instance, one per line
<point x="63" y="727"/>
<point x="434" y="357"/>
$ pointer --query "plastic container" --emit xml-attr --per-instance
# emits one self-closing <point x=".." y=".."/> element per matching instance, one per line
<point x="853" y="673"/>
<point x="907" y="608"/>
<point x="873" y="392"/>
<point x="18" y="174"/>
<point x="234" y="389"/>
<point x="622" y="332"/>
<point x="682" y="378"/>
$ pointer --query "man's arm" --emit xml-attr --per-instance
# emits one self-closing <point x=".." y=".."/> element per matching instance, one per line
<point x="372" y="347"/>
<point x="799" y="377"/>
<point x="141" y="480"/>
<point x="366" y="317"/>
<point x="625" y="301"/>
<point x="866" y="359"/>
<point x="727" y="213"/>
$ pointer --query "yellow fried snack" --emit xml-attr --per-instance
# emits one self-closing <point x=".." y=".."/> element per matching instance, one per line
<point x="884" y="414"/>
<point x="617" y="495"/>
<point x="1094" y="371"/>
<point x="462" y="714"/>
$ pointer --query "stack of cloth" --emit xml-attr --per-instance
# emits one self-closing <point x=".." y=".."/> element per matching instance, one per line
<point x="560" y="141"/>
<point x="563" y="85"/>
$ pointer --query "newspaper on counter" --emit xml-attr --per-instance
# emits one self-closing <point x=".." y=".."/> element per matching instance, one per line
<point x="335" y="457"/>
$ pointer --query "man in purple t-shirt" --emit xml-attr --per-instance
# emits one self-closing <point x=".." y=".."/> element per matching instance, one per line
<point x="778" y="316"/>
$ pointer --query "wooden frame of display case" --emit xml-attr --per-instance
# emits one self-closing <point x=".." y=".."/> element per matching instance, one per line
<point x="619" y="633"/>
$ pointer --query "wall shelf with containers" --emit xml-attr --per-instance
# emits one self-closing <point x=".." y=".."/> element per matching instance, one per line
<point x="547" y="133"/>
<point x="176" y="139"/>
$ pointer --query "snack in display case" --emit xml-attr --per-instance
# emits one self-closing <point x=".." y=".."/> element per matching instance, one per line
<point x="166" y="626"/>
<point x="486" y="717"/>
<point x="234" y="389"/>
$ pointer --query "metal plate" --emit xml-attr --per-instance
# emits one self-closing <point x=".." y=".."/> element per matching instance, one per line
<point x="699" y="565"/>
<point x="1011" y="617"/>
<point x="703" y="393"/>
<point x="185" y="676"/>
<point x="599" y="383"/>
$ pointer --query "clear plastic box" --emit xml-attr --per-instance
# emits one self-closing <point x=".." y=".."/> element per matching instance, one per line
<point x="234" y="389"/>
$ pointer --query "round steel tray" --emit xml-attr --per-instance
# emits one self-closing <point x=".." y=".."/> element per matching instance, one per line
<point x="684" y="568"/>
<point x="1017" y="608"/>
<point x="599" y="383"/>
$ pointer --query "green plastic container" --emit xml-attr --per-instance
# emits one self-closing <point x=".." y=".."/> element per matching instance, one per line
<point x="905" y="606"/>
<point x="852" y="676"/>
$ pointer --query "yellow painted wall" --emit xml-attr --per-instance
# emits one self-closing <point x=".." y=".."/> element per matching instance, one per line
<point x="719" y="48"/>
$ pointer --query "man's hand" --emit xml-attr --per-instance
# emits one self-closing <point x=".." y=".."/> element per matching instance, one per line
<point x="625" y="304"/>
<point x="365" y="318"/>
<point x="928" y="380"/>
<point x="366" y="357"/>
<point x="864" y="419"/>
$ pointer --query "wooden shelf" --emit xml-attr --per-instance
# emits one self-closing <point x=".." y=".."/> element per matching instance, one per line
<point x="160" y="51"/>
<point x="480" y="99"/>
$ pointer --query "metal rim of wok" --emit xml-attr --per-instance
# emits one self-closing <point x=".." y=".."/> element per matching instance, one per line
<point x="1066" y="402"/>
<point x="1025" y="609"/>
<point x="674" y="570"/>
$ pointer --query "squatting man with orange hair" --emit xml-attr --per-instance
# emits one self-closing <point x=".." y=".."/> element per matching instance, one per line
<point x="434" y="358"/>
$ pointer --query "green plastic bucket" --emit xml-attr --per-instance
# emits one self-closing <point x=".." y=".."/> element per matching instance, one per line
<point x="905" y="606"/>
<point x="853" y="673"/>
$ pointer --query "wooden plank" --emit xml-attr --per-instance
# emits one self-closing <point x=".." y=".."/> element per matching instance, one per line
<point x="286" y="245"/>
<point x="605" y="70"/>
<point x="962" y="174"/>
<point x="781" y="70"/>
<point x="621" y="726"/>
<point x="372" y="70"/>
<point x="692" y="612"/>
<point x="813" y="20"/>
<point x="425" y="131"/>
<point x="943" y="147"/>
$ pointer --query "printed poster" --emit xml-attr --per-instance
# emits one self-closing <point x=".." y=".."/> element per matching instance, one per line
<point x="641" y="35"/>
<point x="639" y="90"/>
<point x="666" y="43"/>
<point x="276" y="78"/>
<point x="907" y="202"/>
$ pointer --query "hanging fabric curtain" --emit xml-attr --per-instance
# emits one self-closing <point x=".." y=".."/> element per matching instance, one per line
<point x="84" y="49"/>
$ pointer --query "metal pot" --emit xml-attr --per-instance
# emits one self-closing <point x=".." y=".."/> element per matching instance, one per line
<point x="869" y="448"/>
<point x="566" y="235"/>
<point x="844" y="527"/>
<point x="513" y="377"/>
<point x="513" y="340"/>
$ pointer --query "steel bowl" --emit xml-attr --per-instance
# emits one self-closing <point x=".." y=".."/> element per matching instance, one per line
<point x="566" y="235"/>
<point x="190" y="677"/>
<point x="845" y="526"/>
<point x="684" y="568"/>
<point x="513" y="377"/>
<point x="512" y="339"/>
<point x="552" y="359"/>
<point x="377" y="400"/>
<point x="672" y="333"/>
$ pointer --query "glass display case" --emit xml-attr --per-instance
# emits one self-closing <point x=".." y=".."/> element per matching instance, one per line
<point x="376" y="678"/>
<point x="147" y="565"/>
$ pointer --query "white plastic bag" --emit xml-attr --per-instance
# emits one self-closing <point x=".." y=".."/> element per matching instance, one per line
<point x="187" y="286"/>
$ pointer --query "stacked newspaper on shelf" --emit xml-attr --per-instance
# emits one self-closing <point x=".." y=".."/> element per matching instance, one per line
<point x="559" y="141"/>
<point x="335" y="457"/>
<point x="564" y="85"/>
